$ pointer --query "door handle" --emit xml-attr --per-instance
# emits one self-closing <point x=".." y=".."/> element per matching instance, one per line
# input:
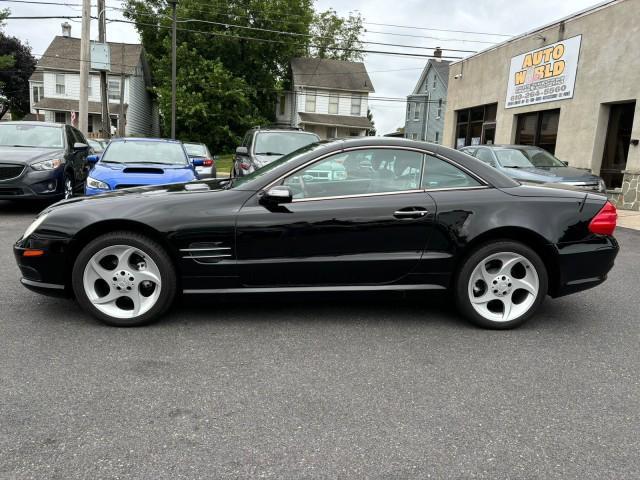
<point x="416" y="212"/>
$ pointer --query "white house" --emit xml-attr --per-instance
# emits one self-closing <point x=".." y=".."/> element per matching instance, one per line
<point x="327" y="97"/>
<point x="55" y="87"/>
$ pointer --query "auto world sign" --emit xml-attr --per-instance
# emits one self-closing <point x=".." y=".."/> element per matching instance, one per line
<point x="544" y="75"/>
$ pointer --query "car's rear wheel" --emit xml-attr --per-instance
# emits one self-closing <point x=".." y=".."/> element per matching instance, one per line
<point x="501" y="284"/>
<point x="124" y="279"/>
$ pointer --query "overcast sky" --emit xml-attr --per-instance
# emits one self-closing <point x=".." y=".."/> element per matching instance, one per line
<point x="490" y="16"/>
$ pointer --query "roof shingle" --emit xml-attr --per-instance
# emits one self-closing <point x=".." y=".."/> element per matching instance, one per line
<point x="63" y="53"/>
<point x="326" y="73"/>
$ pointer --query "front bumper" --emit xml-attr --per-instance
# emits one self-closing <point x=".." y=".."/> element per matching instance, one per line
<point x="47" y="274"/>
<point x="583" y="265"/>
<point x="32" y="184"/>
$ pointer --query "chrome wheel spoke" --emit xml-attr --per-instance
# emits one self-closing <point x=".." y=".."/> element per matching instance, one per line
<point x="148" y="275"/>
<point x="486" y="298"/>
<point x="110" y="297"/>
<point x="508" y="264"/>
<point x="507" y="304"/>
<point x="102" y="272"/>
<point x="123" y="258"/>
<point x="524" y="285"/>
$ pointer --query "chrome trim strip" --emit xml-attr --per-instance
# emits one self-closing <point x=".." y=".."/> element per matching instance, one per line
<point x="356" y="195"/>
<point x="33" y="283"/>
<point x="196" y="257"/>
<point x="336" y="288"/>
<point x="204" y="249"/>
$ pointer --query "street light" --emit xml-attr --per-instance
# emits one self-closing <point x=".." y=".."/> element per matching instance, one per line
<point x="174" y="4"/>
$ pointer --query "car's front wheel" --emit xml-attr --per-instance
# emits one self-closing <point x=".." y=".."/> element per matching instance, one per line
<point x="124" y="279"/>
<point x="501" y="284"/>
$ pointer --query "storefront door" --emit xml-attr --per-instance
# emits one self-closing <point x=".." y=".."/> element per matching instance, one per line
<point x="539" y="129"/>
<point x="616" y="149"/>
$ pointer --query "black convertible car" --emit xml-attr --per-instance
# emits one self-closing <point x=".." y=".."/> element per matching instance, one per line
<point x="348" y="215"/>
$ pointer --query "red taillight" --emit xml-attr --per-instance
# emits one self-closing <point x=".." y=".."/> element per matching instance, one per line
<point x="245" y="165"/>
<point x="207" y="162"/>
<point x="604" y="223"/>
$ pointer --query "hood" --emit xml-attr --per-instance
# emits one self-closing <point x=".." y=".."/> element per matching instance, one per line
<point x="551" y="174"/>
<point x="115" y="174"/>
<point x="28" y="155"/>
<point x="153" y="192"/>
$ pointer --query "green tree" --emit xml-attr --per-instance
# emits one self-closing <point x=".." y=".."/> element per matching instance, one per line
<point x="232" y="60"/>
<point x="336" y="37"/>
<point x="16" y="66"/>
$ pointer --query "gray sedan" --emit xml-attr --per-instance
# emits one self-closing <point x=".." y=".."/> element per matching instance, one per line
<point x="531" y="164"/>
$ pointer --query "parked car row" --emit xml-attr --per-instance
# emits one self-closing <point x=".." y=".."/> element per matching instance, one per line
<point x="40" y="160"/>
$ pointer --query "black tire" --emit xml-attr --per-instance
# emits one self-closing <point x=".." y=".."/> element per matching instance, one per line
<point x="148" y="246"/>
<point x="68" y="177"/>
<point x="480" y="253"/>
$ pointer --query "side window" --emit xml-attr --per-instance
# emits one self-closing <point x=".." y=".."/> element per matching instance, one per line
<point x="441" y="174"/>
<point x="358" y="172"/>
<point x="486" y="156"/>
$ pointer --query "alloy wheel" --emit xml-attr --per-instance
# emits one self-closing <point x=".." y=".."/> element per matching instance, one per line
<point x="503" y="286"/>
<point x="122" y="281"/>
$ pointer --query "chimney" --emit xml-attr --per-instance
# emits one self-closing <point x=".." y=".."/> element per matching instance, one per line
<point x="66" y="29"/>
<point x="437" y="53"/>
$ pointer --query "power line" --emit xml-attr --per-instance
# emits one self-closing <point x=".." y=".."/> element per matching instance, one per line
<point x="242" y="37"/>
<point x="209" y="10"/>
<point x="429" y="37"/>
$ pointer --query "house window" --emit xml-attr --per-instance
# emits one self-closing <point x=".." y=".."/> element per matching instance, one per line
<point x="437" y="136"/>
<point x="283" y="101"/>
<point x="416" y="112"/>
<point x="439" y="108"/>
<point x="310" y="101"/>
<point x="414" y="136"/>
<point x="356" y="101"/>
<point x="434" y="81"/>
<point x="333" y="104"/>
<point x="60" y="117"/>
<point x="114" y="89"/>
<point x="59" y="83"/>
<point x="38" y="93"/>
<point x="408" y="110"/>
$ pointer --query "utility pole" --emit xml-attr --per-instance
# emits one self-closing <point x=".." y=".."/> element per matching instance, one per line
<point x="85" y="63"/>
<point x="121" y="117"/>
<point x="104" y="94"/>
<point x="174" y="4"/>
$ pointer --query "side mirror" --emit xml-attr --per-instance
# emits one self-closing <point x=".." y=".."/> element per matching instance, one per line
<point x="242" y="151"/>
<point x="93" y="159"/>
<point x="79" y="147"/>
<point x="277" y="195"/>
<point x="197" y="162"/>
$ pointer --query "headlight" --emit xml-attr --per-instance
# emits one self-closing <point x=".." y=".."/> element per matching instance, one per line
<point x="602" y="187"/>
<point x="93" y="183"/>
<point x="47" y="164"/>
<point x="34" y="225"/>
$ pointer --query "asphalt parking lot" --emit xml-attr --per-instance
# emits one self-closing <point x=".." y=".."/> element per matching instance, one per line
<point x="387" y="387"/>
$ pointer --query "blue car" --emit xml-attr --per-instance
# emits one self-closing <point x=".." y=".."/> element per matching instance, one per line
<point x="136" y="162"/>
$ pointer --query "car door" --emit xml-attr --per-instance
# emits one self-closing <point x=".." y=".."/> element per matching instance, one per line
<point x="74" y="157"/>
<point x="339" y="230"/>
<point x="83" y="165"/>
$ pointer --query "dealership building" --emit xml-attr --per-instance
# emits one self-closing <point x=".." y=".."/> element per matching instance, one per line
<point x="571" y="87"/>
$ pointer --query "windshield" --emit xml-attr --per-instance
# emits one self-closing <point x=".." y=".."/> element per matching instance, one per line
<point x="237" y="181"/>
<point x="282" y="143"/>
<point x="165" y="153"/>
<point x="17" y="135"/>
<point x="526" y="158"/>
<point x="195" y="149"/>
